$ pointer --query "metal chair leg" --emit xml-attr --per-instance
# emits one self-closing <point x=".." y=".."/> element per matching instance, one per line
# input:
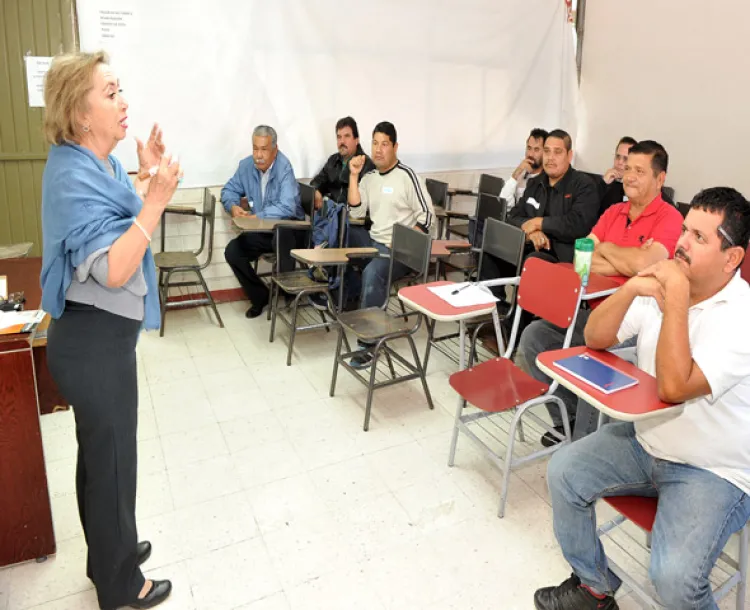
<point x="323" y="319"/>
<point x="430" y="336"/>
<point x="293" y="331"/>
<point x="521" y="435"/>
<point x="274" y="311"/>
<point x="421" y="370"/>
<point x="508" y="463"/>
<point x="389" y="361"/>
<point x="164" y="296"/>
<point x="742" y="567"/>
<point x="336" y="357"/>
<point x="210" y="297"/>
<point x="371" y="388"/>
<point x="454" y="435"/>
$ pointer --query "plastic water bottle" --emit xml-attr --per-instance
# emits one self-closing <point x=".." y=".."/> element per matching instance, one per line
<point x="584" y="252"/>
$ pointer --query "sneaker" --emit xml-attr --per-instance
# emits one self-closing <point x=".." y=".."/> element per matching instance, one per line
<point x="572" y="595"/>
<point x="550" y="440"/>
<point x="362" y="360"/>
<point x="319" y="301"/>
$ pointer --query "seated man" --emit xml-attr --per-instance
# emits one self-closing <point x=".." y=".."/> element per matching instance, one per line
<point x="393" y="194"/>
<point x="333" y="180"/>
<point x="559" y="205"/>
<point x="529" y="168"/>
<point x="267" y="180"/>
<point x="690" y="317"/>
<point x="610" y="186"/>
<point x="628" y="238"/>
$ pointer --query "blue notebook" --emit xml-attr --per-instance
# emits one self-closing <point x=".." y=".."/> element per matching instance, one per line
<point x="594" y="372"/>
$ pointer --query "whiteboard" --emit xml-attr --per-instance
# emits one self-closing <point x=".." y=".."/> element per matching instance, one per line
<point x="463" y="81"/>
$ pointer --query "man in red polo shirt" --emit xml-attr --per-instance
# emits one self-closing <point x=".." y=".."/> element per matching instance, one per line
<point x="629" y="237"/>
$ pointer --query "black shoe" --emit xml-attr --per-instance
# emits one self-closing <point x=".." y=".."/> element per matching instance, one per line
<point x="319" y="301"/>
<point x="550" y="440"/>
<point x="361" y="360"/>
<point x="143" y="551"/>
<point x="160" y="590"/>
<point x="255" y="310"/>
<point x="571" y="595"/>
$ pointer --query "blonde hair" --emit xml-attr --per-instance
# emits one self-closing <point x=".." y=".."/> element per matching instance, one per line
<point x="68" y="82"/>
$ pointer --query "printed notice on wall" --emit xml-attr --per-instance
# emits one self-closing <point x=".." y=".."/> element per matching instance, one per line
<point x="113" y="26"/>
<point x="36" y="70"/>
<point x="108" y="25"/>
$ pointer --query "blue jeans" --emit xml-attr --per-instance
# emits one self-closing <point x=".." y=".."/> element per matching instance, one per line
<point x="698" y="512"/>
<point x="373" y="286"/>
<point x="541" y="336"/>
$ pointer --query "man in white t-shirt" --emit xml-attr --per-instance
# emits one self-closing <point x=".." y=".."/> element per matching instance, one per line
<point x="530" y="167"/>
<point x="392" y="194"/>
<point x="690" y="317"/>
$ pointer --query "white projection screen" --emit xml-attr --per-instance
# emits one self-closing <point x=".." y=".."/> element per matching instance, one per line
<point x="463" y="80"/>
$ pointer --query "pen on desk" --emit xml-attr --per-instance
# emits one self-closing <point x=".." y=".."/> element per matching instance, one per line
<point x="457" y="290"/>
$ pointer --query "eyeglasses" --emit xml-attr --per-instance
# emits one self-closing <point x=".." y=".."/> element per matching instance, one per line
<point x="725" y="235"/>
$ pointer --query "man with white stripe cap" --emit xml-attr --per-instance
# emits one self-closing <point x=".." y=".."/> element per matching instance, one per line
<point x="392" y="193"/>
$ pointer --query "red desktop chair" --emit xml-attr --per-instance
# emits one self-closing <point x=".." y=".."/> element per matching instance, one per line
<point x="500" y="389"/>
<point x="642" y="511"/>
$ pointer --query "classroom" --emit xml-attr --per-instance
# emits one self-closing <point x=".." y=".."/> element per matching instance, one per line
<point x="398" y="305"/>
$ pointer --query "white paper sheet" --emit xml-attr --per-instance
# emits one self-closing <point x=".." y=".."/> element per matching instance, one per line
<point x="36" y="70"/>
<point x="12" y="318"/>
<point x="466" y="295"/>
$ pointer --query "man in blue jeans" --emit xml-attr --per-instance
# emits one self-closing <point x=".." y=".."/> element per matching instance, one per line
<point x="690" y="316"/>
<point x="392" y="193"/>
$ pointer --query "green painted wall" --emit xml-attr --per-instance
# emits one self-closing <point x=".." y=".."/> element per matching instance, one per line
<point x="38" y="28"/>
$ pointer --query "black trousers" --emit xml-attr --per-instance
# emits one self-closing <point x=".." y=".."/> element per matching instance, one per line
<point x="246" y="248"/>
<point x="91" y="356"/>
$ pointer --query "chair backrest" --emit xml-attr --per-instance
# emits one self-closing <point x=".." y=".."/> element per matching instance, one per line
<point x="411" y="248"/>
<point x="207" y="226"/>
<point x="549" y="291"/>
<point x="438" y="192"/>
<point x="491" y="185"/>
<point x="489" y="206"/>
<point x="667" y="194"/>
<point x="503" y="241"/>
<point x="307" y="198"/>
<point x="683" y="208"/>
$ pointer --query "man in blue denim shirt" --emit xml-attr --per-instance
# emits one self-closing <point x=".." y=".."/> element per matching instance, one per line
<point x="267" y="180"/>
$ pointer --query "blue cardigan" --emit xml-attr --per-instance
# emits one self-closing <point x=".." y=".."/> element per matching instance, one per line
<point x="85" y="209"/>
<point x="282" y="191"/>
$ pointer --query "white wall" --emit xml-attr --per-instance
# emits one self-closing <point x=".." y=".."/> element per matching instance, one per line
<point x="672" y="71"/>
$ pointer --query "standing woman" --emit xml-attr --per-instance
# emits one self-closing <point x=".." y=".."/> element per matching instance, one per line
<point x="99" y="286"/>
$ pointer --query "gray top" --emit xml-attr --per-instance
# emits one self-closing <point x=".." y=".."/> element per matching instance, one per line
<point x="89" y="285"/>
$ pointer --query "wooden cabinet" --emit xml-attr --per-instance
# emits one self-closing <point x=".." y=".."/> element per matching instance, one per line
<point x="26" y="530"/>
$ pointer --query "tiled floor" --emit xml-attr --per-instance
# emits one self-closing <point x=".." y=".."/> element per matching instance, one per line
<point x="261" y="492"/>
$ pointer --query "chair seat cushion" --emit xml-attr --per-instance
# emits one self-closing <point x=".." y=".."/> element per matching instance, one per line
<point x="496" y="385"/>
<point x="372" y="323"/>
<point x="295" y="281"/>
<point x="641" y="510"/>
<point x="173" y="260"/>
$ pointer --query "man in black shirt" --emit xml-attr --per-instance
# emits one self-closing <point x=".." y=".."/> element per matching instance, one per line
<point x="558" y="206"/>
<point x="610" y="184"/>
<point x="333" y="180"/>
